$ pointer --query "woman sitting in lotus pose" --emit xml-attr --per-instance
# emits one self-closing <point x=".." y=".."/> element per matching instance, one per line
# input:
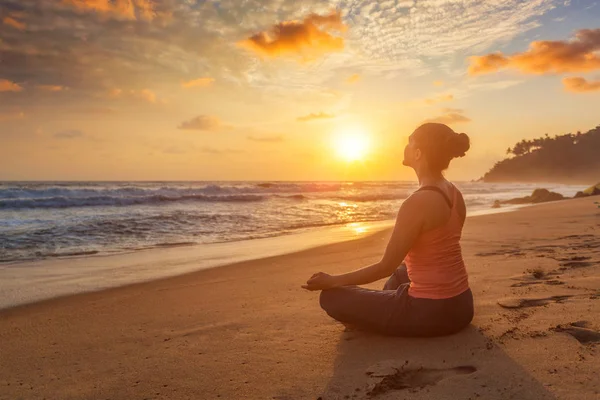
<point x="427" y="293"/>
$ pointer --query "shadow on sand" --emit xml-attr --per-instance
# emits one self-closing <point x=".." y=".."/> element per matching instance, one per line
<point x="467" y="365"/>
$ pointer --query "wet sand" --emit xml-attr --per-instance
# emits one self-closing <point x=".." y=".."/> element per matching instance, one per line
<point x="248" y="330"/>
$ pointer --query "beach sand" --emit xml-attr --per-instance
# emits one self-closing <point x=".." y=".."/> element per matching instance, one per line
<point x="249" y="331"/>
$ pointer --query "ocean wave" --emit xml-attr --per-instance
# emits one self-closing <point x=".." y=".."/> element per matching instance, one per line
<point x="373" y="197"/>
<point x="44" y="191"/>
<point x="95" y="201"/>
<point x="293" y="196"/>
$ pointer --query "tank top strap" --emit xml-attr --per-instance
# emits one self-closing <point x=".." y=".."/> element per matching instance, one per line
<point x="440" y="191"/>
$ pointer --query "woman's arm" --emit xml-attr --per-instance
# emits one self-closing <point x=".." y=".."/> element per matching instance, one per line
<point x="362" y="276"/>
<point x="409" y="222"/>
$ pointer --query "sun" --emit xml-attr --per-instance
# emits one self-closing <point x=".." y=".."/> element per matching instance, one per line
<point x="351" y="144"/>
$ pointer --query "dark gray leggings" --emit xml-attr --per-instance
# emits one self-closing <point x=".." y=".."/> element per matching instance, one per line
<point x="392" y="311"/>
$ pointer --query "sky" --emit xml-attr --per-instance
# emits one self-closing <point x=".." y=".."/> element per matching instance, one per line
<point x="277" y="89"/>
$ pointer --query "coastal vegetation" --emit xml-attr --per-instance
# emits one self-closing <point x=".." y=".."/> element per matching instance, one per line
<point x="572" y="158"/>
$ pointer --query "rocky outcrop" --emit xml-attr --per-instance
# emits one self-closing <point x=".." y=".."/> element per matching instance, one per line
<point x="591" y="191"/>
<point x="538" y="196"/>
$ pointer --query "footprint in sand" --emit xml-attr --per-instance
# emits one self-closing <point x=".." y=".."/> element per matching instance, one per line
<point x="580" y="332"/>
<point x="538" y="282"/>
<point x="575" y="258"/>
<point x="416" y="378"/>
<point x="527" y="283"/>
<point x="530" y="277"/>
<point x="510" y="252"/>
<point x="523" y="303"/>
<point x="586" y="236"/>
<point x="575" y="264"/>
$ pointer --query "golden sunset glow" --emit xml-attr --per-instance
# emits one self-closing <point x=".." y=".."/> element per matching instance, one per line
<point x="315" y="90"/>
<point x="351" y="144"/>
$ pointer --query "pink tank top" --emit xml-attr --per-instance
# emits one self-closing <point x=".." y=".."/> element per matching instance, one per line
<point x="435" y="264"/>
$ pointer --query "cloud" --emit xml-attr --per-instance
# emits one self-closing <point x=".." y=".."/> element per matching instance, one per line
<point x="126" y="9"/>
<point x="9" y="116"/>
<point x="453" y="110"/>
<point x="146" y="95"/>
<point x="212" y="150"/>
<point x="353" y="78"/>
<point x="21" y="26"/>
<point x="91" y="46"/>
<point x="69" y="134"/>
<point x="546" y="57"/>
<point x="308" y="38"/>
<point x="421" y="34"/>
<point x="268" y="139"/>
<point x="496" y="85"/>
<point x="202" y="123"/>
<point x="52" y="88"/>
<point x="438" y="83"/>
<point x="115" y="92"/>
<point x="450" y="118"/>
<point x="97" y="110"/>
<point x="200" y="82"/>
<point x="174" y="150"/>
<point x="581" y="85"/>
<point x="439" y="99"/>
<point x="8" y="86"/>
<point x="315" y="116"/>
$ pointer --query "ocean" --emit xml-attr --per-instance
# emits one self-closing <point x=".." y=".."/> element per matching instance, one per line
<point x="41" y="220"/>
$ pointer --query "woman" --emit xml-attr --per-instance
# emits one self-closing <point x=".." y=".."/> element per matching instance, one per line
<point x="427" y="293"/>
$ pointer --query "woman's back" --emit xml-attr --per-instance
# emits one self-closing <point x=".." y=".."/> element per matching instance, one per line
<point x="434" y="263"/>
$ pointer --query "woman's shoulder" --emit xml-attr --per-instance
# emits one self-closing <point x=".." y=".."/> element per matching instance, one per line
<point x="423" y="201"/>
<point x="434" y="194"/>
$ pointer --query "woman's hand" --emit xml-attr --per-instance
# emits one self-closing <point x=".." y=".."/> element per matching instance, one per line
<point x="321" y="281"/>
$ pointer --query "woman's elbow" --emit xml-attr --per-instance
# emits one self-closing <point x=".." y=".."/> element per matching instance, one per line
<point x="385" y="269"/>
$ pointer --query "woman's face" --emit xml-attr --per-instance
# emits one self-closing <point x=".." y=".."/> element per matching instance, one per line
<point x="412" y="155"/>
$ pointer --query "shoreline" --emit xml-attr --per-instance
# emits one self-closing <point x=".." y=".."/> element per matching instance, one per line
<point x="98" y="272"/>
<point x="298" y="231"/>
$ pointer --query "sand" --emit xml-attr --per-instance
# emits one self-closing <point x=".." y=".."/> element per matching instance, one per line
<point x="249" y="331"/>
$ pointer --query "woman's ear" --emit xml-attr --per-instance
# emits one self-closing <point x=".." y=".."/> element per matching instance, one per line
<point x="418" y="154"/>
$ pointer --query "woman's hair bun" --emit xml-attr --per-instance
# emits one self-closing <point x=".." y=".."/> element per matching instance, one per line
<point x="459" y="145"/>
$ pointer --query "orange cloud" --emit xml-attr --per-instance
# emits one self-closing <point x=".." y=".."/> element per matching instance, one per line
<point x="11" y="116"/>
<point x="97" y="110"/>
<point x="52" y="88"/>
<point x="201" y="82"/>
<point x="353" y="78"/>
<point x="486" y="64"/>
<point x="115" y="93"/>
<point x="580" y="85"/>
<point x="128" y="9"/>
<point x="579" y="55"/>
<point x="69" y="134"/>
<point x="14" y="23"/>
<point x="202" y="123"/>
<point x="8" y="86"/>
<point x="145" y="94"/>
<point x="452" y="110"/>
<point x="267" y="139"/>
<point x="212" y="150"/>
<point x="309" y="38"/>
<point x="450" y="119"/>
<point x="314" y="116"/>
<point x="438" y="83"/>
<point x="440" y="99"/>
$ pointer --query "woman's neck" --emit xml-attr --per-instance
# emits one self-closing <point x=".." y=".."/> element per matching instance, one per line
<point x="427" y="178"/>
